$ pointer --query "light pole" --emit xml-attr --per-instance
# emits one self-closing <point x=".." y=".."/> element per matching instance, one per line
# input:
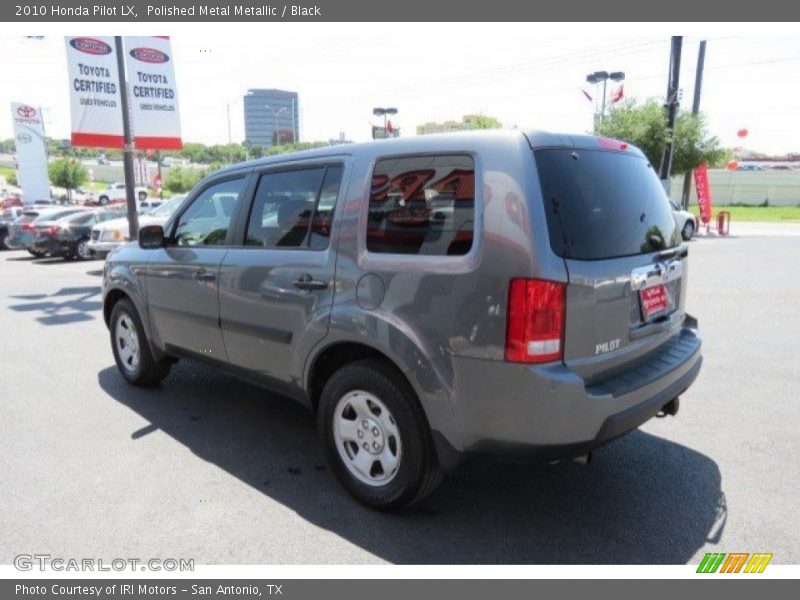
<point x="604" y="76"/>
<point x="379" y="111"/>
<point x="275" y="117"/>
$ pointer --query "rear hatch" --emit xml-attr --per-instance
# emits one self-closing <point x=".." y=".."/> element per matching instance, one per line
<point x="610" y="220"/>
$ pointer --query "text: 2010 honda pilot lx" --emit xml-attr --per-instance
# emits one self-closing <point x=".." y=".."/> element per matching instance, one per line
<point x="429" y="298"/>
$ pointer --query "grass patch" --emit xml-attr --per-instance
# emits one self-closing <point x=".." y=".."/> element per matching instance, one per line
<point x="7" y="172"/>
<point x="772" y="214"/>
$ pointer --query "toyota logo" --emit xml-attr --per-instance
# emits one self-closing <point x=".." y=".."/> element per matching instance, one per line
<point x="24" y="138"/>
<point x="26" y="112"/>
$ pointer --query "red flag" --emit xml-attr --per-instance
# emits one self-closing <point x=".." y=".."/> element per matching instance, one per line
<point x="703" y="190"/>
<point x="617" y="94"/>
<point x="588" y="97"/>
<point x="389" y="128"/>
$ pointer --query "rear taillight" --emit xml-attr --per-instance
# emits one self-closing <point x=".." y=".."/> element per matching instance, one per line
<point x="27" y="227"/>
<point x="535" y="321"/>
<point x="54" y="229"/>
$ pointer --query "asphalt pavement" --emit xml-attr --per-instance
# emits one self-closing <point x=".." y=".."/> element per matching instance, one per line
<point x="210" y="468"/>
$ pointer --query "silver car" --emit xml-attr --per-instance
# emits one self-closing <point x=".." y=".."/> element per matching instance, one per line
<point x="429" y="299"/>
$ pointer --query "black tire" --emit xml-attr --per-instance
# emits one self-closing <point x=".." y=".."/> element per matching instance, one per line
<point x="36" y="253"/>
<point x="418" y="472"/>
<point x="103" y="200"/>
<point x="149" y="372"/>
<point x="81" y="250"/>
<point x="3" y="238"/>
<point x="688" y="230"/>
<point x="142" y="196"/>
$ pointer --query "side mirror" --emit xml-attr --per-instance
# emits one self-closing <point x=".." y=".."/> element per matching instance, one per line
<point x="151" y="237"/>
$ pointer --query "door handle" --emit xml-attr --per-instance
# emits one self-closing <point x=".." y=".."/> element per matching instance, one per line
<point x="306" y="282"/>
<point x="203" y="275"/>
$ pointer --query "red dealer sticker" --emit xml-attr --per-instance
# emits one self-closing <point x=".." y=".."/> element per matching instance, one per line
<point x="654" y="300"/>
<point x="90" y="46"/>
<point x="149" y="55"/>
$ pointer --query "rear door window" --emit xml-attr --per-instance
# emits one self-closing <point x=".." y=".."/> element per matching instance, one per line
<point x="294" y="209"/>
<point x="602" y="204"/>
<point x="422" y="205"/>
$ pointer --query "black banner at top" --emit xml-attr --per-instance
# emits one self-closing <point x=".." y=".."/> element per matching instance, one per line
<point x="394" y="11"/>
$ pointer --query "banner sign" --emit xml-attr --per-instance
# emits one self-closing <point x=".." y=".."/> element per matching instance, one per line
<point x="94" y="92"/>
<point x="153" y="93"/>
<point x="703" y="192"/>
<point x="31" y="155"/>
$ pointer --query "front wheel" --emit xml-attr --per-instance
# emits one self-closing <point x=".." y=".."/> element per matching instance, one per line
<point x="376" y="437"/>
<point x="103" y="200"/>
<point x="131" y="350"/>
<point x="688" y="231"/>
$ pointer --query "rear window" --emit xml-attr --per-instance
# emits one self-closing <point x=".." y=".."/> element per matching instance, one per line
<point x="602" y="204"/>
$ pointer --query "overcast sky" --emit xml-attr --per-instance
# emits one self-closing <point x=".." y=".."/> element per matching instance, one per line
<point x="519" y="73"/>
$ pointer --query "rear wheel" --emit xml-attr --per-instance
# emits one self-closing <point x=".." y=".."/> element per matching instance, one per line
<point x="103" y="200"/>
<point x="82" y="251"/>
<point x="688" y="230"/>
<point x="3" y="238"/>
<point x="376" y="437"/>
<point x="131" y="350"/>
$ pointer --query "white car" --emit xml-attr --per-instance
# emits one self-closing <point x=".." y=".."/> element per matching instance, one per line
<point x="115" y="193"/>
<point x="107" y="236"/>
<point x="687" y="222"/>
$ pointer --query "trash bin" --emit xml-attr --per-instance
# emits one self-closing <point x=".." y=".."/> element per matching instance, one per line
<point x="723" y="222"/>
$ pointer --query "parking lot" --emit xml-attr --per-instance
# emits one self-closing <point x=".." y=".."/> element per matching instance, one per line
<point x="207" y="467"/>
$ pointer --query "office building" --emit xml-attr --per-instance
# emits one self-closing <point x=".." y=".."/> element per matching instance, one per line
<point x="271" y="117"/>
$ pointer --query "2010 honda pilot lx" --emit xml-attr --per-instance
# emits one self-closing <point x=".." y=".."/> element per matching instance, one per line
<point x="429" y="298"/>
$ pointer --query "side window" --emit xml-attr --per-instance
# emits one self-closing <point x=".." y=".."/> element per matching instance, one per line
<point x="206" y="221"/>
<point x="422" y="205"/>
<point x="294" y="209"/>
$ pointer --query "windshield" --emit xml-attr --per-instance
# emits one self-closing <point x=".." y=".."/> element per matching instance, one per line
<point x="602" y="204"/>
<point x="167" y="208"/>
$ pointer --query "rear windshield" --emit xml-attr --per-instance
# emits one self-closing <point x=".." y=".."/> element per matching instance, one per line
<point x="602" y="204"/>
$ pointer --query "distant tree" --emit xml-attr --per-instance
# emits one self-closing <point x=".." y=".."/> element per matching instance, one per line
<point x="179" y="180"/>
<point x="483" y="122"/>
<point x="67" y="173"/>
<point x="645" y="126"/>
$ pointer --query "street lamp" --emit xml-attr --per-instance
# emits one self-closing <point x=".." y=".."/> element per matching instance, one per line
<point x="384" y="112"/>
<point x="275" y="116"/>
<point x="604" y="76"/>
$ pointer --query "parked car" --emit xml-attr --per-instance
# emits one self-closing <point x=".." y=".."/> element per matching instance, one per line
<point x="429" y="298"/>
<point x="115" y="194"/>
<point x="7" y="217"/>
<point x="21" y="233"/>
<point x="686" y="221"/>
<point x="749" y="167"/>
<point x="107" y="236"/>
<point x="68" y="237"/>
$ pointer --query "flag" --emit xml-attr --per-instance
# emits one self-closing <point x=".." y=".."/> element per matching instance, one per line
<point x="389" y="128"/>
<point x="588" y="97"/>
<point x="617" y="94"/>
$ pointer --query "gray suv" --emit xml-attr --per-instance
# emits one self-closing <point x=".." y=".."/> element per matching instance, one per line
<point x="430" y="298"/>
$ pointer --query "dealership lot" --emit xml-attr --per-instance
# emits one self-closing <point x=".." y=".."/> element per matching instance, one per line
<point x="207" y="467"/>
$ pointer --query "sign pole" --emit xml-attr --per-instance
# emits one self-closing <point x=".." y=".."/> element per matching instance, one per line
<point x="127" y="150"/>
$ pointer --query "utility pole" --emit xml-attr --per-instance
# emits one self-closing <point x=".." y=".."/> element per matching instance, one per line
<point x="230" y="140"/>
<point x="698" y="86"/>
<point x="127" y="149"/>
<point x="671" y="107"/>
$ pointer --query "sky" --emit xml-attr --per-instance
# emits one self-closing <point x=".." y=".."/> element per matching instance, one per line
<point x="526" y="76"/>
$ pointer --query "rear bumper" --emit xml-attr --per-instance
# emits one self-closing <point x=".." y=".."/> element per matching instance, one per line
<point x="54" y="247"/>
<point x="548" y="413"/>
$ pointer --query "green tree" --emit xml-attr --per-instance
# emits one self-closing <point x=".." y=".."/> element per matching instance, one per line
<point x="67" y="173"/>
<point x="645" y="126"/>
<point x="483" y="122"/>
<point x="180" y="180"/>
